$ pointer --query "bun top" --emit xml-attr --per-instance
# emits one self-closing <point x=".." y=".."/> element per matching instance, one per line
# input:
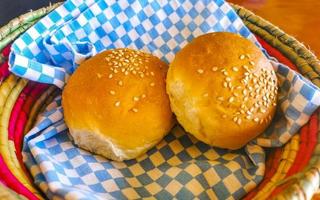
<point x="121" y="95"/>
<point x="222" y="89"/>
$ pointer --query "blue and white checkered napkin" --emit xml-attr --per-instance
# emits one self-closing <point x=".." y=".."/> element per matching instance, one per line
<point x="179" y="166"/>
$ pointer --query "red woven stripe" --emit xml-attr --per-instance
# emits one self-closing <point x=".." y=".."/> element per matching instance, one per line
<point x="10" y="180"/>
<point x="4" y="71"/>
<point x="271" y="170"/>
<point x="6" y="51"/>
<point x="277" y="54"/>
<point x="17" y="107"/>
<point x="23" y="115"/>
<point x="19" y="116"/>
<point x="309" y="142"/>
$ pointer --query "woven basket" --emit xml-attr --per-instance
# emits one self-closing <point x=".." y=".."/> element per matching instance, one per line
<point x="292" y="172"/>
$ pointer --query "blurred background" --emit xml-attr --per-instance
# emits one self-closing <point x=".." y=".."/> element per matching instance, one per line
<point x="299" y="18"/>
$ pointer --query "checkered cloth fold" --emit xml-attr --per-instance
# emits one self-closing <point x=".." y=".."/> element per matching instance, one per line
<point x="179" y="166"/>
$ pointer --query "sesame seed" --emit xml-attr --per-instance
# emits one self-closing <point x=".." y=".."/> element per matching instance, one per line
<point x="214" y="69"/>
<point x="231" y="99"/>
<point x="112" y="92"/>
<point x="220" y="98"/>
<point x="117" y="103"/>
<point x="200" y="71"/>
<point x="224" y="116"/>
<point x="235" y="119"/>
<point x="244" y="92"/>
<point x="239" y="121"/>
<point x="152" y="84"/>
<point x="225" y="84"/>
<point x="152" y="73"/>
<point x="143" y="96"/>
<point x="99" y="75"/>
<point x="256" y="119"/>
<point x="242" y="57"/>
<point x="136" y="98"/>
<point x="126" y="73"/>
<point x="254" y="80"/>
<point x="248" y="56"/>
<point x="135" y="110"/>
<point x="141" y="75"/>
<point x="228" y="79"/>
<point x="205" y="94"/>
<point x="120" y="83"/>
<point x="110" y="76"/>
<point x="248" y="117"/>
<point x="225" y="73"/>
<point x="115" y="71"/>
<point x="246" y="74"/>
<point x="235" y="69"/>
<point x="251" y="63"/>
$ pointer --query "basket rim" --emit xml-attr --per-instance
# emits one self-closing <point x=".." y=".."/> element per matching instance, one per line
<point x="20" y="24"/>
<point x="298" y="52"/>
<point x="302" y="56"/>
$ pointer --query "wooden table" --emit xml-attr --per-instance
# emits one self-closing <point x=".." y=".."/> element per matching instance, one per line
<point x="299" y="18"/>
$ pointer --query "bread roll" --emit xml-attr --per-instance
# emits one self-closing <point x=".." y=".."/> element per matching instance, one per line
<point x="115" y="104"/>
<point x="222" y="89"/>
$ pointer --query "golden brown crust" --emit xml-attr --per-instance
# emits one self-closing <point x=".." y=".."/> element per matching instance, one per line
<point x="120" y="94"/>
<point x="222" y="89"/>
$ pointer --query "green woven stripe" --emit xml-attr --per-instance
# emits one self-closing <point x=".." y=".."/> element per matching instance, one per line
<point x="18" y="25"/>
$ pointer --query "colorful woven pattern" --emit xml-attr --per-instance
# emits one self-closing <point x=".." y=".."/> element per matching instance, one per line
<point x="161" y="29"/>
<point x="22" y="102"/>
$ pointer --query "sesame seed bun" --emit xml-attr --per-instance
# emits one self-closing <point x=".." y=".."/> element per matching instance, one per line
<point x="222" y="89"/>
<point x="115" y="104"/>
